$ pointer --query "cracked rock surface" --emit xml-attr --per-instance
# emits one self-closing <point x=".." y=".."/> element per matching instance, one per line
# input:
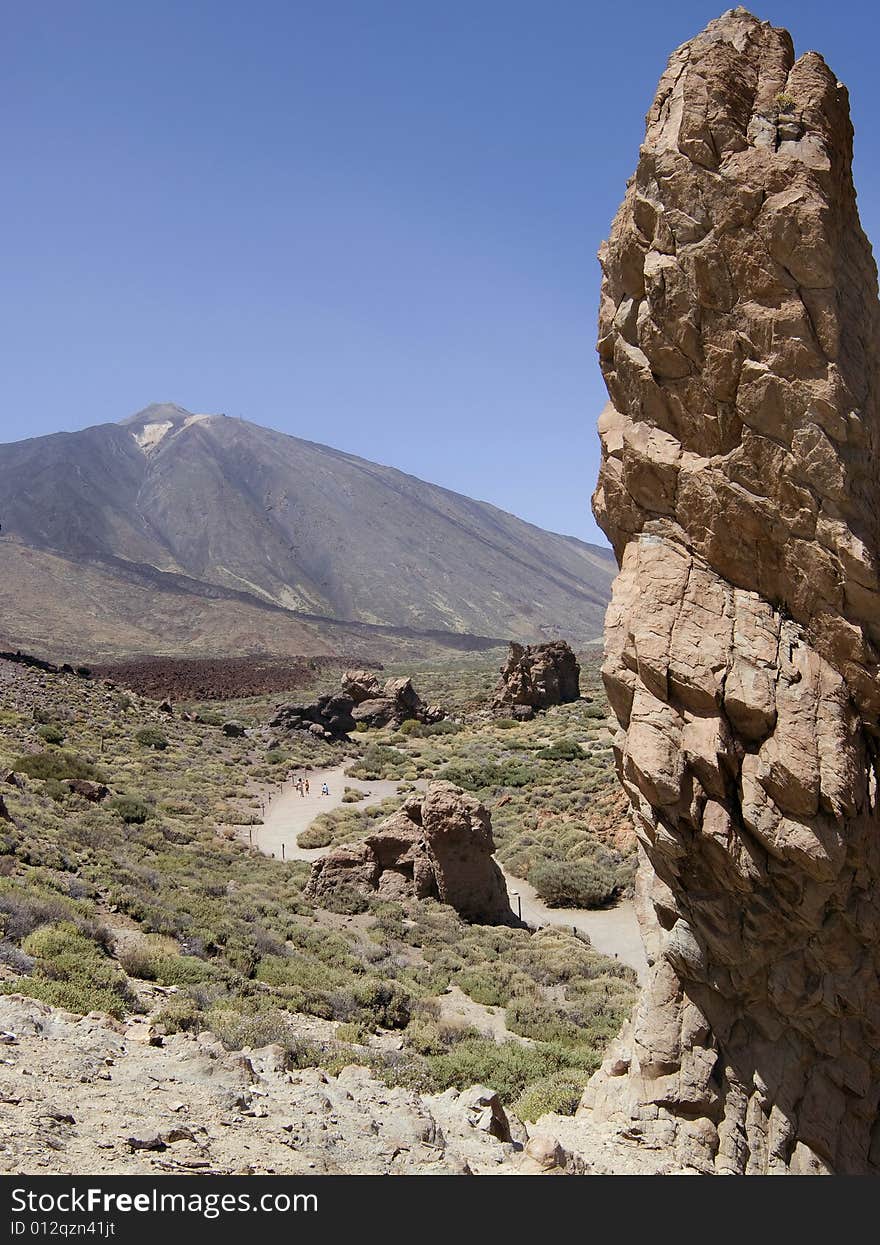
<point x="738" y="334"/>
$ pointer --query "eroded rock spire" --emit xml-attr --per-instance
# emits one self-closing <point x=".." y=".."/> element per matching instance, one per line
<point x="740" y="343"/>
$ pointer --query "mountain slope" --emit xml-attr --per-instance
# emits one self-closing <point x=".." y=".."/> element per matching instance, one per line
<point x="213" y="511"/>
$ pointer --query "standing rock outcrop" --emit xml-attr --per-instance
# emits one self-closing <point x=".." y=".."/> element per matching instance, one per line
<point x="434" y="847"/>
<point x="739" y="333"/>
<point x="330" y="717"/>
<point x="388" y="704"/>
<point x="536" y="676"/>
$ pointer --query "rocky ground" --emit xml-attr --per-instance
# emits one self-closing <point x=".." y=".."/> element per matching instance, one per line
<point x="94" y="1095"/>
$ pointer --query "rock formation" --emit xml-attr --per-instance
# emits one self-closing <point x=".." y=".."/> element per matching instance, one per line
<point x="436" y="846"/>
<point x="536" y="676"/>
<point x="388" y="704"/>
<point x="739" y="331"/>
<point x="330" y="717"/>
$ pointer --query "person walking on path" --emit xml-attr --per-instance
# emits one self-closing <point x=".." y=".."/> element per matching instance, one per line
<point x="307" y="786"/>
<point x="325" y="790"/>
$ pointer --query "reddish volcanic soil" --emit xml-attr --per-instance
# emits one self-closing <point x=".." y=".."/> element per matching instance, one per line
<point x="217" y="678"/>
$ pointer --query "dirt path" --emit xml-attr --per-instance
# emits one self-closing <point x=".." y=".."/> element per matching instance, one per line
<point x="613" y="931"/>
<point x="288" y="813"/>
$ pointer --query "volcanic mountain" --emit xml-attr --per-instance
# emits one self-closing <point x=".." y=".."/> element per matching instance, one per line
<point x="176" y="533"/>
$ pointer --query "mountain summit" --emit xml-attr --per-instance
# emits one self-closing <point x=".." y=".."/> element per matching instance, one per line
<point x="180" y="532"/>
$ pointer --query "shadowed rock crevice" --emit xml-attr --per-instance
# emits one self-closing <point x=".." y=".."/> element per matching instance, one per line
<point x="739" y="324"/>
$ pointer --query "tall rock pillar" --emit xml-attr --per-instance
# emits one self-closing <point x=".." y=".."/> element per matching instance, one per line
<point x="739" y="339"/>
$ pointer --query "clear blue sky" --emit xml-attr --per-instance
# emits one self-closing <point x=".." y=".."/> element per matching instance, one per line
<point x="371" y="223"/>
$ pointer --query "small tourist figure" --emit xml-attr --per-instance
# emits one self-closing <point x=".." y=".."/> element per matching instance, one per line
<point x="307" y="786"/>
<point x="325" y="790"/>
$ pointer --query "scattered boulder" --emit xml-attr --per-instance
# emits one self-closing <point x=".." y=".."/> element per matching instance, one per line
<point x="5" y="814"/>
<point x="94" y="792"/>
<point x="165" y="706"/>
<point x="361" y="685"/>
<point x="391" y="704"/>
<point x="331" y="714"/>
<point x="536" y="676"/>
<point x="436" y="846"/>
<point x="234" y="730"/>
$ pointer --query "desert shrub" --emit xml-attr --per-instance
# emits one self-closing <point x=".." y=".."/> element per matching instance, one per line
<point x="560" y="1092"/>
<point x="262" y="1027"/>
<point x="318" y="834"/>
<point x="50" y="733"/>
<point x="378" y="761"/>
<point x="586" y="883"/>
<point x="25" y="906"/>
<point x="383" y="1004"/>
<point x="505" y="724"/>
<point x="412" y="727"/>
<point x="345" y="901"/>
<point x="354" y="1034"/>
<point x="507" y="1066"/>
<point x="56" y="790"/>
<point x="181" y="1015"/>
<point x="562" y="750"/>
<point x="73" y="972"/>
<point x="274" y="757"/>
<point x="13" y="957"/>
<point x="541" y="1021"/>
<point x="352" y="796"/>
<point x="152" y="737"/>
<point x="41" y="715"/>
<point x="474" y="776"/>
<point x="441" y="728"/>
<point x="159" y="959"/>
<point x="130" y="809"/>
<point x="57" y="764"/>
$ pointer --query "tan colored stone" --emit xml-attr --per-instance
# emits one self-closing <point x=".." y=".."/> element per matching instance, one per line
<point x="739" y="489"/>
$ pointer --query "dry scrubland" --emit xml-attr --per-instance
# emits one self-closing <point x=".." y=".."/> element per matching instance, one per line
<point x="152" y="885"/>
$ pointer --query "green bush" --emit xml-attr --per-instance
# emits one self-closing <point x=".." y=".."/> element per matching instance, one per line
<point x="264" y="1027"/>
<point x="318" y="834"/>
<point x="345" y="901"/>
<point x="560" y="1093"/>
<point x="181" y="1015"/>
<point x="274" y="757"/>
<point x="59" y="764"/>
<point x="51" y="734"/>
<point x="562" y="750"/>
<point x="152" y="962"/>
<point x="152" y="737"/>
<point x="73" y="972"/>
<point x="587" y="883"/>
<point x="133" y="811"/>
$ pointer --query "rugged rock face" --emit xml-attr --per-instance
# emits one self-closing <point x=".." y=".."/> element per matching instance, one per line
<point x="536" y="676"/>
<point x="388" y="704"/>
<point x="330" y="717"/>
<point x="436" y="847"/>
<point x="739" y="327"/>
